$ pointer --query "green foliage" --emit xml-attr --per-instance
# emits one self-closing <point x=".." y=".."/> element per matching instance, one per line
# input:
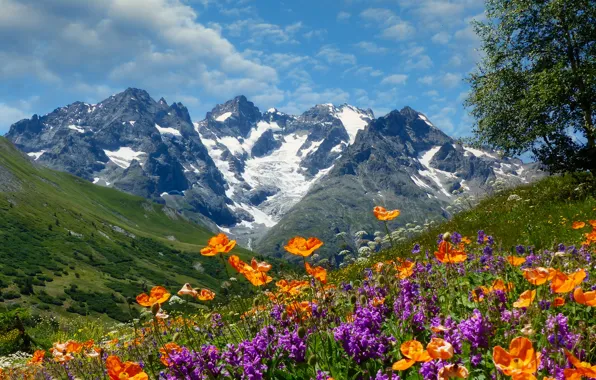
<point x="536" y="85"/>
<point x="102" y="240"/>
<point x="542" y="218"/>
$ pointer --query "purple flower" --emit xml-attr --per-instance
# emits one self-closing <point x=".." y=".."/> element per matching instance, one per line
<point x="293" y="345"/>
<point x="416" y="249"/>
<point x="520" y="249"/>
<point x="362" y="339"/>
<point x="480" y="237"/>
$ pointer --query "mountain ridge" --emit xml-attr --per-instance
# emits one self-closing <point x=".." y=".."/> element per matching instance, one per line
<point x="241" y="170"/>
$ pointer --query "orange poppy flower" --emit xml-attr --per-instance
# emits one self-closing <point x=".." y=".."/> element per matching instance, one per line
<point x="382" y="214"/>
<point x="558" y="301"/>
<point x="166" y="351"/>
<point x="37" y="357"/>
<point x="587" y="298"/>
<point x="439" y="329"/>
<point x="208" y="251"/>
<point x="188" y="290"/>
<point x="590" y="236"/>
<point x="303" y="247"/>
<point x="440" y="349"/>
<point x="563" y="283"/>
<point x="258" y="278"/>
<point x="516" y="260"/>
<point x="520" y="361"/>
<point x="592" y="222"/>
<point x="239" y="265"/>
<point x="206" y="295"/>
<point x="466" y="240"/>
<point x="260" y="266"/>
<point x="539" y="275"/>
<point x="378" y="301"/>
<point x="479" y="293"/>
<point x="221" y="243"/>
<point x="413" y="352"/>
<point x="499" y="284"/>
<point x="581" y="368"/>
<point x="405" y="269"/>
<point x="304" y="309"/>
<point x="124" y="371"/>
<point x="317" y="272"/>
<point x="447" y="254"/>
<point x="525" y="299"/>
<point x="158" y="295"/>
<point x="292" y="288"/>
<point x="453" y="371"/>
<point x="578" y="225"/>
<point x="378" y="266"/>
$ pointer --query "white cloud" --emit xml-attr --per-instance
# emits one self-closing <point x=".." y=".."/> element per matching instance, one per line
<point x="305" y="96"/>
<point x="441" y="38"/>
<point x="315" y="33"/>
<point x="343" y="16"/>
<point x="443" y="119"/>
<point x="371" y="47"/>
<point x="10" y="115"/>
<point x="420" y="63"/>
<point x="432" y="93"/>
<point x="153" y="44"/>
<point x="451" y="80"/>
<point x="401" y="31"/>
<point x="428" y="80"/>
<point x="395" y="79"/>
<point x="455" y="61"/>
<point x="393" y="27"/>
<point x="258" y="32"/>
<point x="334" y="56"/>
<point x="363" y="71"/>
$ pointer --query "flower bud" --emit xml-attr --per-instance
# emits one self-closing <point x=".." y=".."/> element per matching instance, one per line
<point x="155" y="308"/>
<point x="353" y="299"/>
<point x="176" y="337"/>
<point x="301" y="332"/>
<point x="312" y="360"/>
<point x="256" y="302"/>
<point x="382" y="280"/>
<point x="447" y="236"/>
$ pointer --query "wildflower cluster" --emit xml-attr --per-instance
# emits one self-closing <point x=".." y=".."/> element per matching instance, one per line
<point x="472" y="310"/>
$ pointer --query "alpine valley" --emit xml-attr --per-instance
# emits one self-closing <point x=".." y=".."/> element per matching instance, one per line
<point x="265" y="176"/>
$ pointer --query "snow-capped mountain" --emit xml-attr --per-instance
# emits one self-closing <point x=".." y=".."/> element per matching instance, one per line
<point x="270" y="160"/>
<point x="242" y="170"/>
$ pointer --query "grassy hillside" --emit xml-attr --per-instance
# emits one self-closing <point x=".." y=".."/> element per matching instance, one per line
<point x="358" y="327"/>
<point x="68" y="245"/>
<point x="538" y="215"/>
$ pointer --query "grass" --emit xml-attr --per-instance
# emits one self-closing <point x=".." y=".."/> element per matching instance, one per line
<point x="59" y="231"/>
<point x="355" y="328"/>
<point x="541" y="218"/>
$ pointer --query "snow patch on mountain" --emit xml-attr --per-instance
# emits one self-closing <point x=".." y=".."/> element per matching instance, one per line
<point x="478" y="153"/>
<point x="223" y="117"/>
<point x="435" y="175"/>
<point x="76" y="128"/>
<point x="168" y="131"/>
<point x="36" y="155"/>
<point x="124" y="156"/>
<point x="353" y="120"/>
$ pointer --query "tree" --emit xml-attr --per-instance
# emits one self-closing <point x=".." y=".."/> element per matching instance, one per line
<point x="535" y="88"/>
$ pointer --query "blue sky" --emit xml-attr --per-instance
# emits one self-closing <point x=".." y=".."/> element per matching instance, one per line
<point x="378" y="54"/>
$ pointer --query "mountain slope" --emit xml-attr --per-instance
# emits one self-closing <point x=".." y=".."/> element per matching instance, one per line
<point x="264" y="176"/>
<point x="68" y="244"/>
<point x="400" y="161"/>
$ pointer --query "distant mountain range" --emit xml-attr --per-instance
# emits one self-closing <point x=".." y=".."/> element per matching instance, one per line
<point x="264" y="177"/>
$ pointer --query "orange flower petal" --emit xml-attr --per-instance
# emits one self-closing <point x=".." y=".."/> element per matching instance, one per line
<point x="403" y="364"/>
<point x="525" y="299"/>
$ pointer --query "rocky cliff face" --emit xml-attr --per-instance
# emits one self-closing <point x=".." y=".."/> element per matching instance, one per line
<point x="265" y="176"/>
<point x="400" y="161"/>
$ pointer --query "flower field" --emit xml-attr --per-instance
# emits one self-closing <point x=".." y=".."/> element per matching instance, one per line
<point x="457" y="307"/>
